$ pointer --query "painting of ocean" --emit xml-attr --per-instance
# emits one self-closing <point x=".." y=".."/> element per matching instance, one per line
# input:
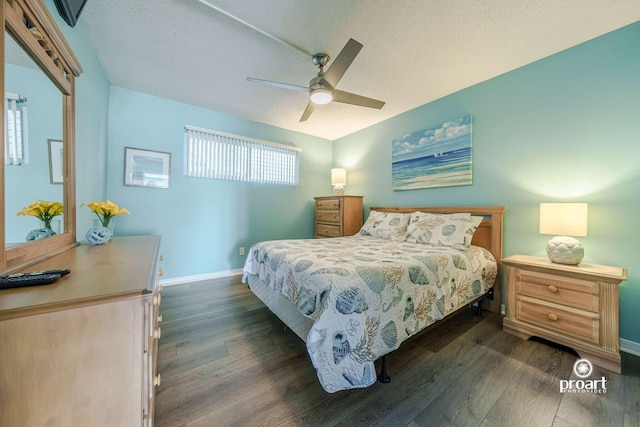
<point x="440" y="156"/>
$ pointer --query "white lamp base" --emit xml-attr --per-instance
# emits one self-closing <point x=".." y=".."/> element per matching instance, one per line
<point x="338" y="190"/>
<point x="565" y="250"/>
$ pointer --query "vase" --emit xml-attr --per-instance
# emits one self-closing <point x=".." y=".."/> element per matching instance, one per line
<point x="52" y="224"/>
<point x="39" y="233"/>
<point x="111" y="225"/>
<point x="98" y="235"/>
<point x="45" y="229"/>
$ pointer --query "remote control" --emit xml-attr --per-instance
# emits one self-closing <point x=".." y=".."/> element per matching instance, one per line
<point x="26" y="279"/>
<point x="60" y="272"/>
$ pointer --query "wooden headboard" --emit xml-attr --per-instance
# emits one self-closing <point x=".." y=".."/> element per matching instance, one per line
<point x="488" y="235"/>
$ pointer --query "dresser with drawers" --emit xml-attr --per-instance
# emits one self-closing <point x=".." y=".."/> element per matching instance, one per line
<point x="573" y="305"/>
<point x="83" y="351"/>
<point x="338" y="216"/>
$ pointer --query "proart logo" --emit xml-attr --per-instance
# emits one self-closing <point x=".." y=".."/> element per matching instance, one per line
<point x="583" y="369"/>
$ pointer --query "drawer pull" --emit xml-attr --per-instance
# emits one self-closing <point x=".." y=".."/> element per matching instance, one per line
<point x="553" y="317"/>
<point x="552" y="289"/>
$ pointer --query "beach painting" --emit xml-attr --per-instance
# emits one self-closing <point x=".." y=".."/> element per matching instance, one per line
<point x="439" y="156"/>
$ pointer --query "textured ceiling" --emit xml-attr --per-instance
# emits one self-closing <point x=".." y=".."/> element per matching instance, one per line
<point x="414" y="51"/>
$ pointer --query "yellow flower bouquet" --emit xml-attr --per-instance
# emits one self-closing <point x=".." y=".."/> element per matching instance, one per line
<point x="44" y="210"/>
<point x="105" y="210"/>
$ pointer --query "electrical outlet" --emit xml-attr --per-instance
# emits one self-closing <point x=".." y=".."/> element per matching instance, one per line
<point x="242" y="250"/>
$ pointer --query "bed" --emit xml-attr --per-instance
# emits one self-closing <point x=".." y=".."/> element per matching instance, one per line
<point x="355" y="299"/>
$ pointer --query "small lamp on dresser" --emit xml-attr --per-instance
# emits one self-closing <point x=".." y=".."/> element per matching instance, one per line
<point x="338" y="181"/>
<point x="565" y="221"/>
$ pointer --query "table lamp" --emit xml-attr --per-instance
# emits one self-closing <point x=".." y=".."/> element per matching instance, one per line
<point x="338" y="180"/>
<point x="565" y="221"/>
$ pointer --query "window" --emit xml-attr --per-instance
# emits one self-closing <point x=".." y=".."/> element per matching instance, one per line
<point x="217" y="155"/>
<point x="16" y="147"/>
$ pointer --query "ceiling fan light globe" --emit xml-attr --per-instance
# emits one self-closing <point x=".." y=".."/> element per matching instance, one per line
<point x="321" y="96"/>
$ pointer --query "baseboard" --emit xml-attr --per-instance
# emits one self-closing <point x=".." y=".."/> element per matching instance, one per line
<point x="200" y="277"/>
<point x="630" y="347"/>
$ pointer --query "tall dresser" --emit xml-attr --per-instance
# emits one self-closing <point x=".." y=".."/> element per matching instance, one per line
<point x="83" y="350"/>
<point x="338" y="216"/>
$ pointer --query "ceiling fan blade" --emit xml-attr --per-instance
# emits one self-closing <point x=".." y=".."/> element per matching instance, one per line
<point x="352" y="98"/>
<point x="342" y="62"/>
<point x="277" y="84"/>
<point x="311" y="107"/>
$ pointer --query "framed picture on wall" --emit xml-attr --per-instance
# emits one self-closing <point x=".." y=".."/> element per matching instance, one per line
<point x="146" y="168"/>
<point x="439" y="156"/>
<point x="56" y="161"/>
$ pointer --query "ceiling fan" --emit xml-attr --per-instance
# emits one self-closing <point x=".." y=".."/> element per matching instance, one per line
<point x="322" y="88"/>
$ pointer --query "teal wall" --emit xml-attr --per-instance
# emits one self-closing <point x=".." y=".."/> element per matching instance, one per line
<point x="203" y="223"/>
<point x="92" y="109"/>
<point x="566" y="128"/>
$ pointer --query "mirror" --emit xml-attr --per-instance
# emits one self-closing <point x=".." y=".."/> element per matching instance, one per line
<point x="31" y="181"/>
<point x="40" y="66"/>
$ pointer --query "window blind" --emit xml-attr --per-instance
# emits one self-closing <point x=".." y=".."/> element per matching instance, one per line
<point x="218" y="155"/>
<point x="16" y="135"/>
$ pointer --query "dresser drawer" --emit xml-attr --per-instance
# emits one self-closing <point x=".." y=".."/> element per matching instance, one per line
<point x="583" y="294"/>
<point x="576" y="323"/>
<point x="328" y="204"/>
<point x="326" y="230"/>
<point x="328" y="216"/>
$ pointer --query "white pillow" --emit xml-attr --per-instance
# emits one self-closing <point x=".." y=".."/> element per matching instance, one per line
<point x="452" y="230"/>
<point x="386" y="225"/>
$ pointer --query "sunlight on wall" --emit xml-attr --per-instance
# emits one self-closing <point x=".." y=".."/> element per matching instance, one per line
<point x="353" y="156"/>
<point x="563" y="180"/>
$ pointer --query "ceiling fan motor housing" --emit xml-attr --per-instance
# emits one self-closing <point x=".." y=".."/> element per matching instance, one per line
<point x="320" y="60"/>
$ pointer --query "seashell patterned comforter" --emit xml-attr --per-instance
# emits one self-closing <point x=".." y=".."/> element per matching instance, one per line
<point x="367" y="295"/>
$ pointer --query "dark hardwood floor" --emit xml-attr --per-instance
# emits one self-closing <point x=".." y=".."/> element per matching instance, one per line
<point x="226" y="360"/>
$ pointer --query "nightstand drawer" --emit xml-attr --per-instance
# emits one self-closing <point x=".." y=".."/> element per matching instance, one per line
<point x="577" y="323"/>
<point x="326" y="230"/>
<point x="328" y="204"/>
<point x="328" y="216"/>
<point x="568" y="291"/>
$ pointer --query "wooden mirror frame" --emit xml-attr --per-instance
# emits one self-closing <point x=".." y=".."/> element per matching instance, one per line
<point x="23" y="18"/>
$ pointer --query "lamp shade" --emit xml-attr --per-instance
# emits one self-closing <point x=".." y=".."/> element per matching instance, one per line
<point x="563" y="219"/>
<point x="338" y="176"/>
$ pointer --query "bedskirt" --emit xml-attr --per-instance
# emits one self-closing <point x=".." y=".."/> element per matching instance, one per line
<point x="281" y="307"/>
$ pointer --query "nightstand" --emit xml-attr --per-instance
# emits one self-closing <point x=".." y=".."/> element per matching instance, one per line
<point x="572" y="305"/>
<point x="337" y="216"/>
